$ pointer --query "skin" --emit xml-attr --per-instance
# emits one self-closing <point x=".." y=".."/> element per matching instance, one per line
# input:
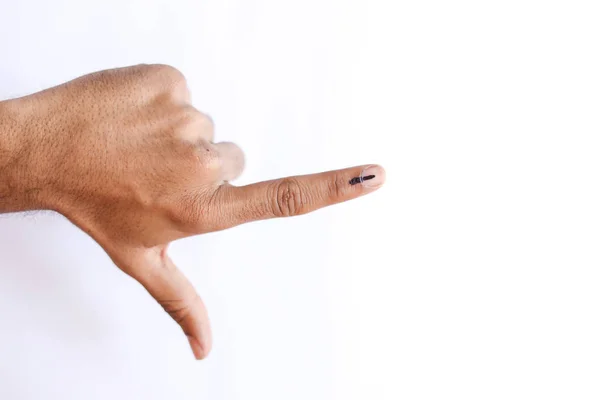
<point x="124" y="156"/>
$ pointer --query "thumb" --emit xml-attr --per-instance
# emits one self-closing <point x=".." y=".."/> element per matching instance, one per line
<point x="174" y="292"/>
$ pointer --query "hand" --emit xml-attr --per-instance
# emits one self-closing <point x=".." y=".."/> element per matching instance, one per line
<point x="124" y="156"/>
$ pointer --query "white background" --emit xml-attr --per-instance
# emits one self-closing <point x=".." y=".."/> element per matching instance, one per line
<point x="473" y="274"/>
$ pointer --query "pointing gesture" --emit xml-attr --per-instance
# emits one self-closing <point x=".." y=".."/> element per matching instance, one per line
<point x="125" y="157"/>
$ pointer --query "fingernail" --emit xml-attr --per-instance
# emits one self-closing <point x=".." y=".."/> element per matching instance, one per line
<point x="371" y="177"/>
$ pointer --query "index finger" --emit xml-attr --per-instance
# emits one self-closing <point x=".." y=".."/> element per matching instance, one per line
<point x="293" y="196"/>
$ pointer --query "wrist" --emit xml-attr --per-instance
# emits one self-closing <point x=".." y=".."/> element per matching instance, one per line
<point x="22" y="187"/>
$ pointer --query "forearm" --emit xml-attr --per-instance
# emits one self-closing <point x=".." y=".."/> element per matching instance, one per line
<point x="19" y="190"/>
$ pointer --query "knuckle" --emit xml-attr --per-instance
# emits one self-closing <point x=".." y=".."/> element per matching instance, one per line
<point x="168" y="72"/>
<point x="338" y="187"/>
<point x="195" y="120"/>
<point x="189" y="117"/>
<point x="178" y="309"/>
<point x="208" y="158"/>
<point x="289" y="199"/>
<point x="172" y="81"/>
<point x="205" y="121"/>
<point x="189" y="124"/>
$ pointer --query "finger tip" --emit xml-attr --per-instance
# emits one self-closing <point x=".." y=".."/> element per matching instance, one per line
<point x="200" y="350"/>
<point x="373" y="176"/>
